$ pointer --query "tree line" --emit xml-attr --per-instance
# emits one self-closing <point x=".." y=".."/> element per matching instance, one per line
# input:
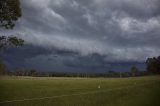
<point x="35" y="73"/>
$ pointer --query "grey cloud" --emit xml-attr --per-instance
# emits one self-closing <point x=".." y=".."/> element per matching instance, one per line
<point x="96" y="26"/>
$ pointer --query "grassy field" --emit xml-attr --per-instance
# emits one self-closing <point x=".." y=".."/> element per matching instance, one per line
<point x="35" y="91"/>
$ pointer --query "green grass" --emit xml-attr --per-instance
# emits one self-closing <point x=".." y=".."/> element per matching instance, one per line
<point x="138" y="91"/>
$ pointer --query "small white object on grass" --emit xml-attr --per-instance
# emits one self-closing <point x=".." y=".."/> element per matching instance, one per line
<point x="99" y="86"/>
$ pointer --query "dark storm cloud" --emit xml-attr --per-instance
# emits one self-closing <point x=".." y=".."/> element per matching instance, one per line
<point x="117" y="30"/>
<point x="41" y="59"/>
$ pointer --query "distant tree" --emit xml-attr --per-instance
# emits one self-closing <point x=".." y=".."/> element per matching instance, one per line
<point x="18" y="72"/>
<point x="32" y="72"/>
<point x="134" y="71"/>
<point x="153" y="65"/>
<point x="2" y="68"/>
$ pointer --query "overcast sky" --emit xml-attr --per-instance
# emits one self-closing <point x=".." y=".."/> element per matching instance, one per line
<point x="86" y="34"/>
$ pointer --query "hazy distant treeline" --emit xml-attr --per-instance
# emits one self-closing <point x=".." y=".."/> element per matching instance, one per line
<point x="69" y="74"/>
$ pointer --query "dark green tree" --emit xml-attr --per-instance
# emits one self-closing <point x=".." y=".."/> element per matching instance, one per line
<point x="10" y="41"/>
<point x="10" y="11"/>
<point x="134" y="71"/>
<point x="153" y="65"/>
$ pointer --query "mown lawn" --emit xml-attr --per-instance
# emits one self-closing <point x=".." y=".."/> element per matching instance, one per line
<point x="138" y="91"/>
